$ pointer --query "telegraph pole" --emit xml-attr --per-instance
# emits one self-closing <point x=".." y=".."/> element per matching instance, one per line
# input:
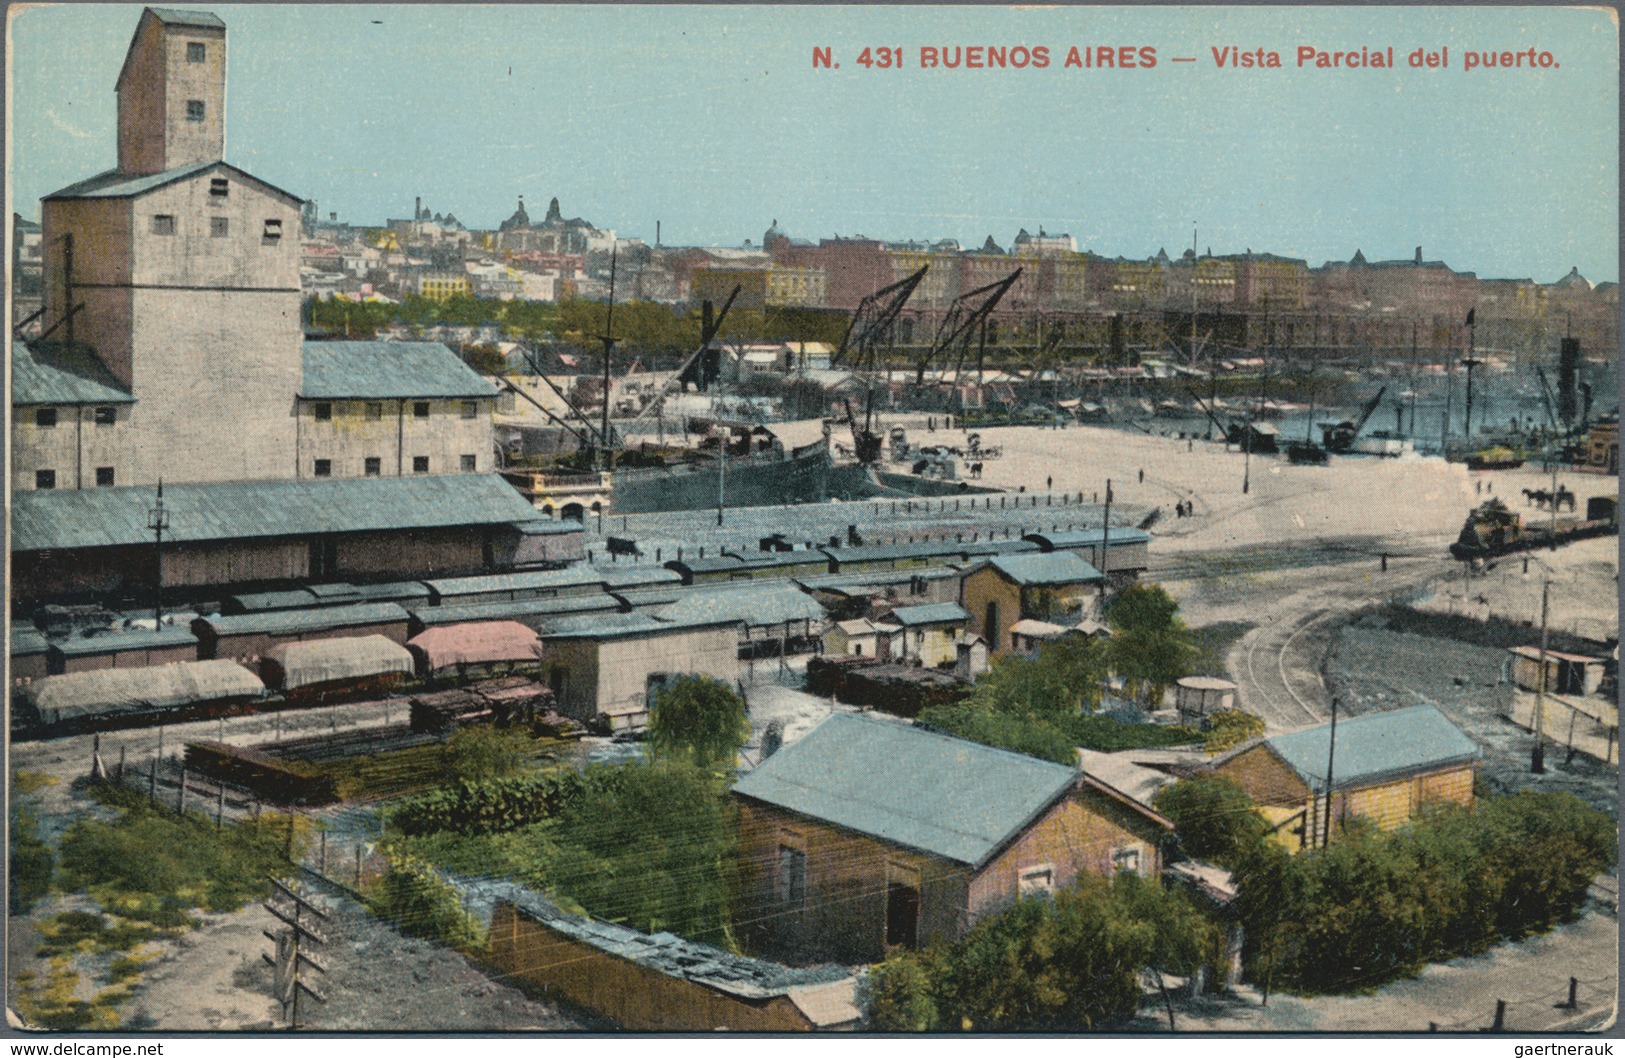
<point x="158" y="521"/>
<point x="290" y="958"/>
<point x="1331" y="755"/>
<point x="1537" y="756"/>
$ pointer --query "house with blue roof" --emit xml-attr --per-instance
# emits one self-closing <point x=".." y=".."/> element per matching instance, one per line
<point x="930" y="633"/>
<point x="1385" y="768"/>
<point x="1057" y="587"/>
<point x="869" y="835"/>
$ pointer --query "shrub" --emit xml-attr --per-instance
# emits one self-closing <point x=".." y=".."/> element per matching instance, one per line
<point x="699" y="718"/>
<point x="1229" y="728"/>
<point x="32" y="863"/>
<point x="1027" y="734"/>
<point x="497" y="805"/>
<point x="414" y="896"/>
<point x="479" y="753"/>
<point x="896" y="995"/>
<point x="1214" y="818"/>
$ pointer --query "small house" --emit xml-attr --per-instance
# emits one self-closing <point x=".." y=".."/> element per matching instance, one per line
<point x="609" y="667"/>
<point x="971" y="658"/>
<point x="869" y="835"/>
<point x="855" y="637"/>
<point x="1198" y="696"/>
<point x="1386" y="767"/>
<point x="930" y="633"/>
<point x="1059" y="588"/>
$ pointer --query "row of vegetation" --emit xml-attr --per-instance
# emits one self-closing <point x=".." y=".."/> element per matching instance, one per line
<point x="1376" y="906"/>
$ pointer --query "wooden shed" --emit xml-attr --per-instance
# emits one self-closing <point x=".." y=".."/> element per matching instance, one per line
<point x="1199" y="696"/>
<point x="606" y="667"/>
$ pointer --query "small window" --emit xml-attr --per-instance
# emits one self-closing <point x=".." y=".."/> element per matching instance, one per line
<point x="194" y="110"/>
<point x="471" y="408"/>
<point x="420" y="464"/>
<point x="324" y="468"/>
<point x="374" y="466"/>
<point x="45" y="479"/>
<point x="324" y="411"/>
<point x="104" y="477"/>
<point x="273" y="229"/>
<point x="1126" y="860"/>
<point x="219" y="227"/>
<point x="219" y="187"/>
<point x="420" y="410"/>
<point x="45" y="417"/>
<point x="163" y="224"/>
<point x="1037" y="880"/>
<point x="375" y="411"/>
<point x="467" y="463"/>
<point x="106" y="416"/>
<point x="195" y="51"/>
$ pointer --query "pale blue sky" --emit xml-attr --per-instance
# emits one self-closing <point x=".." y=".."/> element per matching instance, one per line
<point x="712" y="120"/>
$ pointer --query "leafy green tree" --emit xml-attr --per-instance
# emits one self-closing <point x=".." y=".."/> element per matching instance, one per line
<point x="1150" y="646"/>
<point x="1214" y="818"/>
<point x="896" y="995"/>
<point x="701" y="719"/>
<point x="1063" y="677"/>
<point x="479" y="753"/>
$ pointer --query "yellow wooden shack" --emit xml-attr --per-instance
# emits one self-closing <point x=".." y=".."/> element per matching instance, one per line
<point x="1059" y="588"/>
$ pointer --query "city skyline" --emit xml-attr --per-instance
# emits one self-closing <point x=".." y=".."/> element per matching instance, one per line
<point x="715" y="123"/>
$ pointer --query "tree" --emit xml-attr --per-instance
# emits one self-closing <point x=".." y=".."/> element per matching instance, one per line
<point x="700" y="719"/>
<point x="1214" y="818"/>
<point x="896" y="995"/>
<point x="1150" y="646"/>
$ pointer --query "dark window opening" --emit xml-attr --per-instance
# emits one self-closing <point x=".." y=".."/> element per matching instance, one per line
<point x="195" y="51"/>
<point x="420" y="410"/>
<point x="902" y="915"/>
<point x="163" y="224"/>
<point x="375" y="411"/>
<point x="194" y="110"/>
<point x="468" y="464"/>
<point x="990" y="626"/>
<point x="45" y="479"/>
<point x="792" y="876"/>
<point x="374" y="466"/>
<point x="470" y="409"/>
<point x="219" y="227"/>
<point x="106" y="416"/>
<point x="219" y="187"/>
<point x="420" y="464"/>
<point x="324" y="412"/>
<point x="324" y="468"/>
<point x="104" y="477"/>
<point x="45" y="417"/>
<point x="273" y="229"/>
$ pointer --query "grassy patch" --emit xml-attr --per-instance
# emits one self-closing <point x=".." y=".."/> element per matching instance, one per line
<point x="85" y="931"/>
<point x="1106" y="735"/>
<point x="51" y="1004"/>
<point x="395" y="773"/>
<point x="27" y="782"/>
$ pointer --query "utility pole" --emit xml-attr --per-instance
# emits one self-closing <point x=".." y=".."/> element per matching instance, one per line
<point x="1470" y="362"/>
<point x="1331" y="756"/>
<point x="1537" y="756"/>
<point x="290" y="950"/>
<point x="1105" y="542"/>
<point x="606" y="459"/>
<point x="158" y="521"/>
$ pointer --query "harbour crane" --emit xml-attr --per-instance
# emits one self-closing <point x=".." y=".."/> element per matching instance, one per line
<point x="968" y="315"/>
<point x="870" y="329"/>
<point x="1339" y="437"/>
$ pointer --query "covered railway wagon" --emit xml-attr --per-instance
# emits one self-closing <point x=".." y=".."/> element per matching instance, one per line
<point x="330" y="670"/>
<point x="476" y="650"/>
<point x="110" y="698"/>
<point x="248" y="637"/>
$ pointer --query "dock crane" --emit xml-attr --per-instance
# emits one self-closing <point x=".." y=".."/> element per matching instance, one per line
<point x="961" y="322"/>
<point x="1339" y="437"/>
<point x="708" y="332"/>
<point x="865" y="442"/>
<point x="872" y="321"/>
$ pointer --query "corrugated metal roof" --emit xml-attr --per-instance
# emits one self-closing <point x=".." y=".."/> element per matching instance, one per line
<point x="982" y="548"/>
<point x="278" y="622"/>
<point x="116" y="184"/>
<point x="724" y="563"/>
<point x="1376" y="746"/>
<point x="261" y="601"/>
<point x="536" y="580"/>
<point x="165" y="637"/>
<point x="930" y="614"/>
<point x="637" y="575"/>
<point x="755" y="605"/>
<point x="1066" y="538"/>
<point x="622" y="625"/>
<point x="26" y="640"/>
<point x="525" y="611"/>
<point x="1056" y="567"/>
<point x="388" y="371"/>
<point x="850" y="556"/>
<point x="864" y="583"/>
<point x="58" y="373"/>
<point x="920" y="789"/>
<point x="67" y="518"/>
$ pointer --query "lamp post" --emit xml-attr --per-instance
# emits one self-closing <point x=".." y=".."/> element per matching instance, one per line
<point x="158" y="521"/>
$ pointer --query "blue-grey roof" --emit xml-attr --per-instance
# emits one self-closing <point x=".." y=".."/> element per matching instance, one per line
<point x="849" y="556"/>
<point x="1056" y="567"/>
<point x="544" y="526"/>
<point x="863" y="583"/>
<point x="1066" y="538"/>
<point x="145" y="639"/>
<point x="546" y="580"/>
<point x="638" y="575"/>
<point x="980" y="548"/>
<point x="1376" y="746"/>
<point x="26" y="640"/>
<point x="930" y="614"/>
<point x="280" y="622"/>
<point x="724" y="563"/>
<point x="58" y="373"/>
<point x="177" y="17"/>
<point x="766" y="603"/>
<point x="260" y="601"/>
<point x="388" y="371"/>
<point x="115" y="517"/>
<point x="765" y="560"/>
<point x="116" y="184"/>
<point x="621" y="625"/>
<point x="920" y="789"/>
<point x="400" y="591"/>
<point x="525" y="611"/>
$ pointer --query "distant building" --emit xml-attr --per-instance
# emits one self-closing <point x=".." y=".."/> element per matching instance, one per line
<point x="871" y="835"/>
<point x="1059" y="588"/>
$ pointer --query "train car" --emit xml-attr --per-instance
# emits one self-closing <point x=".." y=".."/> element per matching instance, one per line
<point x="102" y="699"/>
<point x="476" y="650"/>
<point x="324" y="671"/>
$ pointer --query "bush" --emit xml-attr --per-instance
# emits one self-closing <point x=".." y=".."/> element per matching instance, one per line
<point x="416" y="898"/>
<point x="701" y="719"/>
<point x="32" y="863"/>
<point x="1110" y="736"/>
<point x="896" y="996"/>
<point x="1021" y="734"/>
<point x="497" y="805"/>
<point x="1229" y="728"/>
<point x="1214" y="818"/>
<point x="480" y="753"/>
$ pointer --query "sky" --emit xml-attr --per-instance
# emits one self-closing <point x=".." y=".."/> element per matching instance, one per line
<point x="715" y="122"/>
